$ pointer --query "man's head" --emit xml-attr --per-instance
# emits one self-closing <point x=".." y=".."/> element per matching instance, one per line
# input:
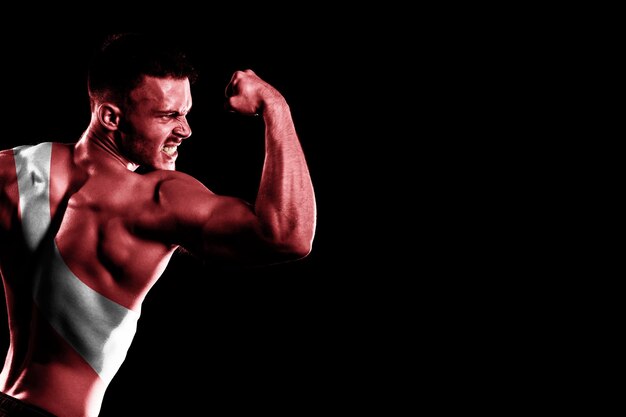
<point x="124" y="59"/>
<point x="139" y="89"/>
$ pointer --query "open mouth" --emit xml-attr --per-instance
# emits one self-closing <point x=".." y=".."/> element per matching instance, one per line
<point x="169" y="150"/>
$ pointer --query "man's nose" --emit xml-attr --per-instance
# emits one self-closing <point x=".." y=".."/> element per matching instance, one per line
<point x="182" y="130"/>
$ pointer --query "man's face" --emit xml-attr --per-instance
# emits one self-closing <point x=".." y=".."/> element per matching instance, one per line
<point x="155" y="122"/>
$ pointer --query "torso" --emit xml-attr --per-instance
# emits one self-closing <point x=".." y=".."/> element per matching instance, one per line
<point x="107" y="248"/>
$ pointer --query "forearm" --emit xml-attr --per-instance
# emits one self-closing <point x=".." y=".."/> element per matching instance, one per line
<point x="285" y="203"/>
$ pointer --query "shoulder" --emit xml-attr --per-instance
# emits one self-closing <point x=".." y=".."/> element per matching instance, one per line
<point x="177" y="204"/>
<point x="174" y="182"/>
<point x="6" y="153"/>
<point x="7" y="164"/>
<point x="9" y="195"/>
<point x="59" y="151"/>
<point x="7" y="156"/>
<point x="178" y="194"/>
<point x="182" y="198"/>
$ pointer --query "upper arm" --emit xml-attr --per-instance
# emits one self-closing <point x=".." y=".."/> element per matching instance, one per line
<point x="212" y="226"/>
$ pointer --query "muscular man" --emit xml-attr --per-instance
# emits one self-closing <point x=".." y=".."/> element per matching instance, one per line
<point x="83" y="237"/>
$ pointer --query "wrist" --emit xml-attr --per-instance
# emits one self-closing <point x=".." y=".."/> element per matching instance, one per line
<point x="273" y="105"/>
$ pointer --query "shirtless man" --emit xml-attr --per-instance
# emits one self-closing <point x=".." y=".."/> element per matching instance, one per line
<point x="83" y="237"/>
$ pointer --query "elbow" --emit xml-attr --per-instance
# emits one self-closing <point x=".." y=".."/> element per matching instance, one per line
<point x="302" y="250"/>
<point x="296" y="249"/>
<point x="292" y="243"/>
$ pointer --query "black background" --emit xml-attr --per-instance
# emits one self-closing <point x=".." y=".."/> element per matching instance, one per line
<point x="274" y="339"/>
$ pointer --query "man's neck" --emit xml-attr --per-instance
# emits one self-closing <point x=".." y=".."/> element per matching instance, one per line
<point x="98" y="149"/>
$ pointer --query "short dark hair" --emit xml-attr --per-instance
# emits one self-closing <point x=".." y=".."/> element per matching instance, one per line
<point x="119" y="65"/>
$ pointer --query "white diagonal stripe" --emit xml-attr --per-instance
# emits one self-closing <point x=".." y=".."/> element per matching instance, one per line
<point x="99" y="329"/>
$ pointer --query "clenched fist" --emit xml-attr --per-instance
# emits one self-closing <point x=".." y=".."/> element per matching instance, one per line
<point x="246" y="93"/>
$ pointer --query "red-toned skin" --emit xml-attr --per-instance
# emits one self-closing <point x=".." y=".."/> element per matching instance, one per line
<point x="119" y="229"/>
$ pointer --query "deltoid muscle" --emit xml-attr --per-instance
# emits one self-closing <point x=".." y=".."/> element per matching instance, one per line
<point x="99" y="329"/>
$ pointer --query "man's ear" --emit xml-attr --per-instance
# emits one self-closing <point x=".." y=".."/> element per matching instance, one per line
<point x="109" y="116"/>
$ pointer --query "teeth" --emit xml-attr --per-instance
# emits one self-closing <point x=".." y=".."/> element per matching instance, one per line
<point x="170" y="150"/>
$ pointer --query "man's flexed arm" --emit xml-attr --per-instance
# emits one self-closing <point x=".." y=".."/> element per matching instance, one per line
<point x="285" y="203"/>
<point x="278" y="227"/>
